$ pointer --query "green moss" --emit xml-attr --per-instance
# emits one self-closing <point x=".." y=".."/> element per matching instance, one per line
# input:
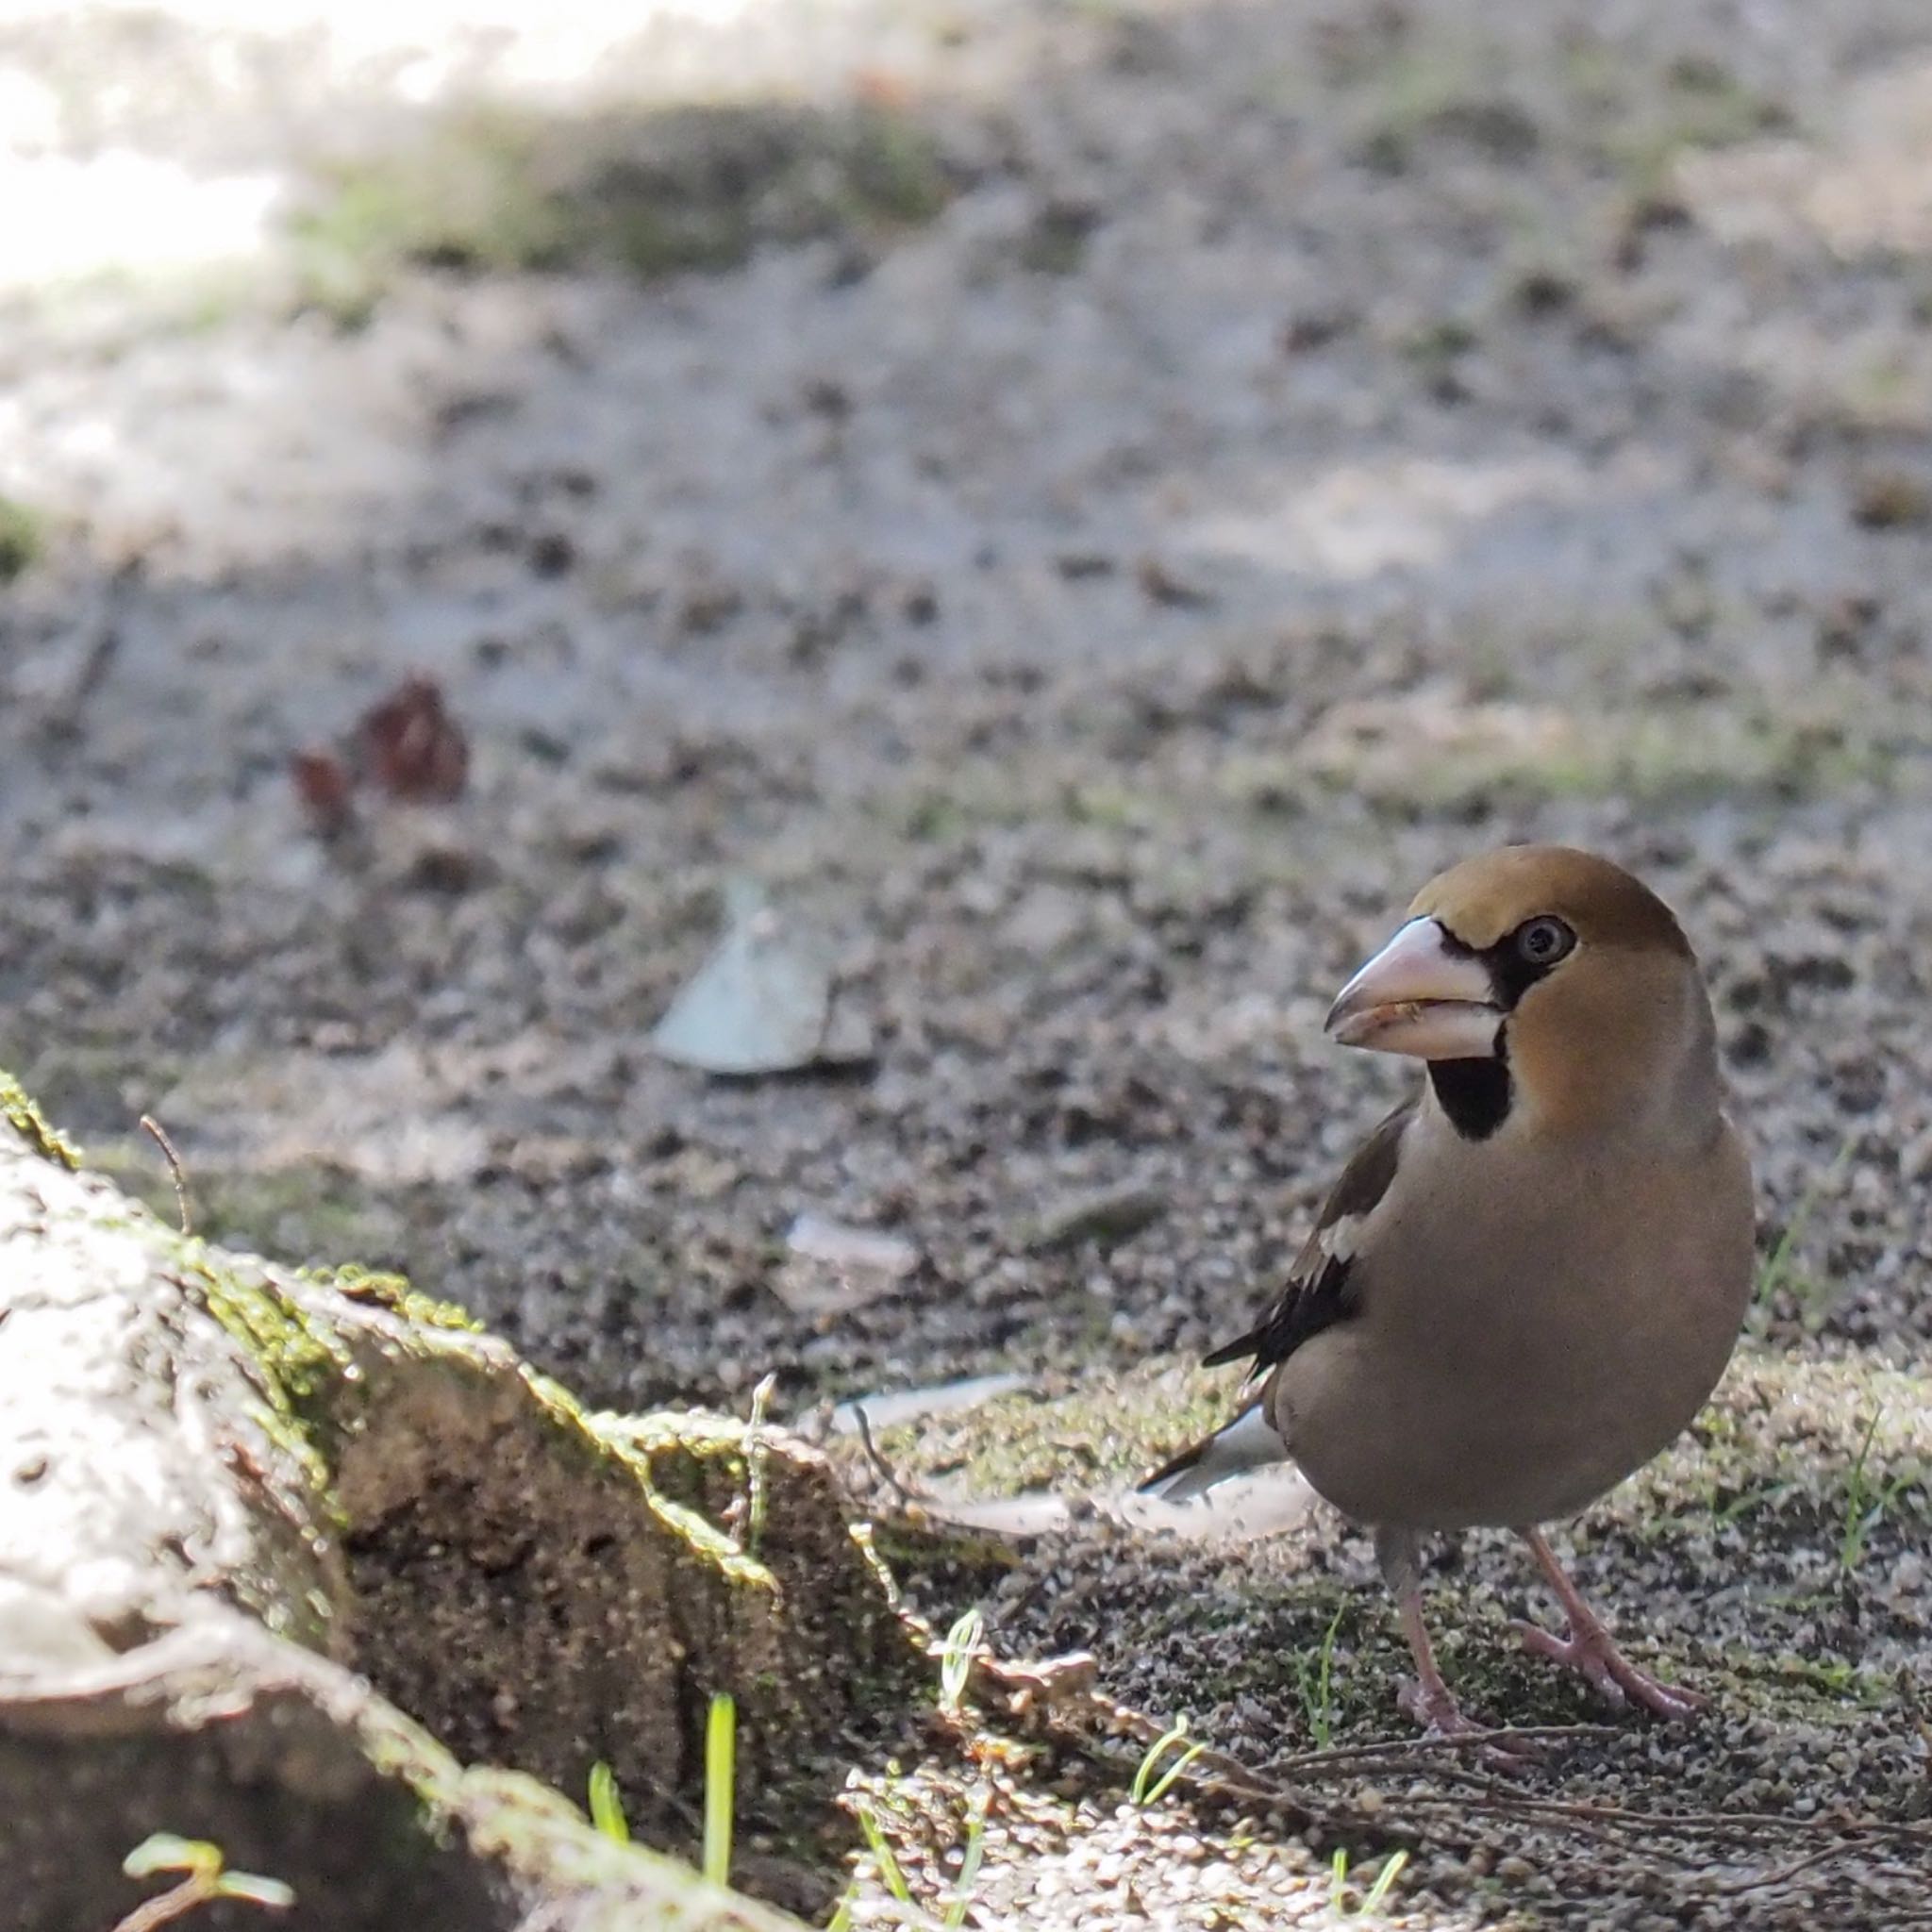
<point x="1790" y="1689"/>
<point x="301" y="1352"/>
<point x="1776" y="1446"/>
<point x="1477" y="755"/>
<point x="1428" y="753"/>
<point x="21" y="542"/>
<point x="394" y="1291"/>
<point x="1695" y="104"/>
<point x="1098" y="1433"/>
<point x="1400" y="100"/>
<point x="505" y="191"/>
<point x="1435" y="343"/>
<point x="465" y="196"/>
<point x="1114" y="806"/>
<point x="31" y="1124"/>
<point x="299" y="1358"/>
<point x="632" y="1443"/>
<point x="893" y="170"/>
<point x="303" y="1359"/>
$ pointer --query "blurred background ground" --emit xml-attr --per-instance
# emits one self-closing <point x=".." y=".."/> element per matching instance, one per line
<point x="1088" y="505"/>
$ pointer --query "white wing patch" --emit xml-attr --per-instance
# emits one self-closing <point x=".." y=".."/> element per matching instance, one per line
<point x="1338" y="1240"/>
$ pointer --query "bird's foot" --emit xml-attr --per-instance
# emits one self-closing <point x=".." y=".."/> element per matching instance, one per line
<point x="1591" y="1652"/>
<point x="1435" y="1709"/>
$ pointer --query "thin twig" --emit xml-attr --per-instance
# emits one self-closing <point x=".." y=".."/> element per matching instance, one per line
<point x="197" y="1889"/>
<point x="880" y="1466"/>
<point x="175" y="1168"/>
<point x="756" y="1499"/>
<point x="1486" y="1794"/>
<point x="1786" y="1873"/>
<point x="1216" y="1774"/>
<point x="64" y="716"/>
<point x="1406" y="1752"/>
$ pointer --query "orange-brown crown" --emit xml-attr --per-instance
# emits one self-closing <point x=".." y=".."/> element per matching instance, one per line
<point x="1485" y="898"/>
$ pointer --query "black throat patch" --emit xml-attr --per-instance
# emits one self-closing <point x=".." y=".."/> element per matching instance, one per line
<point x="1474" y="1094"/>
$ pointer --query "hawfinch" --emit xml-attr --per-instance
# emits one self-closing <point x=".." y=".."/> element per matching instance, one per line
<point x="1531" y="1275"/>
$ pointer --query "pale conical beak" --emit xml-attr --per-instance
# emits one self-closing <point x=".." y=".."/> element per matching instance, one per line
<point x="1419" y="996"/>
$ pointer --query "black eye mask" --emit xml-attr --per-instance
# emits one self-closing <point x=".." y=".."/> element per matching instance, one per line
<point x="1517" y="960"/>
<point x="1475" y="1093"/>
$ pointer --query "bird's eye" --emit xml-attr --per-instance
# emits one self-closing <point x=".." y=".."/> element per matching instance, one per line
<point x="1543" y="941"/>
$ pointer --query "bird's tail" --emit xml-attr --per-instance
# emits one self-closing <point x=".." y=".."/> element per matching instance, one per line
<point x="1247" y="1442"/>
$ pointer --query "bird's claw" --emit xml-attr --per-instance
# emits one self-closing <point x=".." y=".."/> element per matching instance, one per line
<point x="1595" y="1658"/>
<point x="1435" y="1709"/>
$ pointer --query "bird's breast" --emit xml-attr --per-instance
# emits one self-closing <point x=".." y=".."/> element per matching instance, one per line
<point x="1520" y="1351"/>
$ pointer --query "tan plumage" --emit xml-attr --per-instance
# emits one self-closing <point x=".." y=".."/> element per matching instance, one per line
<point x="1531" y="1277"/>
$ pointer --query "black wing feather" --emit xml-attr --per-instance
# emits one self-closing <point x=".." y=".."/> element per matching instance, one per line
<point x="1319" y="1292"/>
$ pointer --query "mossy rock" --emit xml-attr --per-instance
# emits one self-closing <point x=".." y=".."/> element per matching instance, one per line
<point x="283" y="1477"/>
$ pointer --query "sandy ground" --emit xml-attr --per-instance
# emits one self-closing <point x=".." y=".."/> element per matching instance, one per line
<point x="1150" y="485"/>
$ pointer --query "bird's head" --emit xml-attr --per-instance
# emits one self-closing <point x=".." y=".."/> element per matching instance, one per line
<point x="1537" y="974"/>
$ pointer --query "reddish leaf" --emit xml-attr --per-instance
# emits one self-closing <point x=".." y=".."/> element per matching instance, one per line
<point x="415" y="749"/>
<point x="322" y="784"/>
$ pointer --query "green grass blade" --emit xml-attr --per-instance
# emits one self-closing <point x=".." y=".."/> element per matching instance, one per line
<point x="165" y="1852"/>
<point x="1176" y="1770"/>
<point x="882" y="1856"/>
<point x="1385" y="1879"/>
<point x="1143" y="1778"/>
<point x="968" y="1863"/>
<point x="606" y="1807"/>
<point x="1323" y="1726"/>
<point x="721" y="1764"/>
<point x="257" y="1889"/>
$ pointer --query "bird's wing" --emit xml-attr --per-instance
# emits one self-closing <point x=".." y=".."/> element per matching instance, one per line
<point x="1319" y="1293"/>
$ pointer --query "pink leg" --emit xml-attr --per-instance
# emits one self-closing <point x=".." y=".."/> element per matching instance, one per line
<point x="1589" y="1649"/>
<point x="1428" y="1700"/>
